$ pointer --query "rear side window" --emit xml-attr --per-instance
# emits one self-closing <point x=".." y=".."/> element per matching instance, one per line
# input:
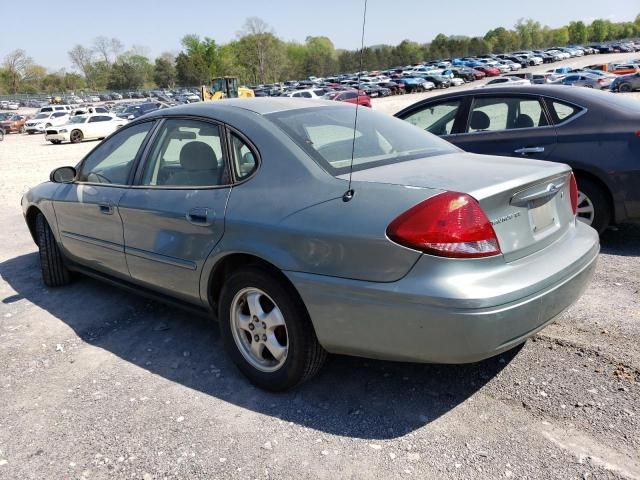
<point x="244" y="160"/>
<point x="508" y="113"/>
<point x="563" y="111"/>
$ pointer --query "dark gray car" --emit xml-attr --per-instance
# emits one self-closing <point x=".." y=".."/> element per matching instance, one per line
<point x="584" y="79"/>
<point x="244" y="209"/>
<point x="596" y="133"/>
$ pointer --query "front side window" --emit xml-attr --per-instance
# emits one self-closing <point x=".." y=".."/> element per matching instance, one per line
<point x="437" y="119"/>
<point x="327" y="135"/>
<point x="508" y="113"/>
<point x="187" y="153"/>
<point x="112" y="160"/>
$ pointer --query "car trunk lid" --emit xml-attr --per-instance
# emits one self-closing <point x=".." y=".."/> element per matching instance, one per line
<point x="527" y="201"/>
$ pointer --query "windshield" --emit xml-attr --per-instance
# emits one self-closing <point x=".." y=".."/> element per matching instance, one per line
<point x="78" y="120"/>
<point x="41" y="115"/>
<point x="327" y="135"/>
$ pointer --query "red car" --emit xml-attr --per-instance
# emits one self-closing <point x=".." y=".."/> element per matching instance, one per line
<point x="351" y="96"/>
<point x="489" y="71"/>
<point x="478" y="74"/>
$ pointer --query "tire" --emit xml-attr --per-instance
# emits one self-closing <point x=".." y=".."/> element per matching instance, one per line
<point x="56" y="142"/>
<point x="76" y="136"/>
<point x="625" y="87"/>
<point x="303" y="356"/>
<point x="594" y="207"/>
<point x="54" y="271"/>
<point x="30" y="132"/>
<point x="22" y="130"/>
<point x="47" y="125"/>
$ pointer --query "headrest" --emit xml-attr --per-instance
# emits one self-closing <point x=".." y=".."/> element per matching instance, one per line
<point x="198" y="156"/>
<point x="480" y="120"/>
<point x="523" y="121"/>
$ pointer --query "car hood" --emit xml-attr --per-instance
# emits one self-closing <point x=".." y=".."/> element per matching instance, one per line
<point x="477" y="175"/>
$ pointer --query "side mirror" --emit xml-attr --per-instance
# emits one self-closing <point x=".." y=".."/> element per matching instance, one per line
<point x="63" y="175"/>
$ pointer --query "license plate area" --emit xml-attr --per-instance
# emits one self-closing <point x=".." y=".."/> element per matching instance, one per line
<point x="542" y="216"/>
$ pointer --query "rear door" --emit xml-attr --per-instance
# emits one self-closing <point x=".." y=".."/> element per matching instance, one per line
<point x="174" y="216"/>
<point x="508" y="125"/>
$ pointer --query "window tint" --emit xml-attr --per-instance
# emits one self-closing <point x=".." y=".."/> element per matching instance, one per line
<point x="349" y="95"/>
<point x="112" y="160"/>
<point x="100" y="118"/>
<point x="563" y="111"/>
<point x="306" y="95"/>
<point x="187" y="153"/>
<point x="492" y="114"/>
<point x="437" y="119"/>
<point x="326" y="134"/>
<point x="244" y="160"/>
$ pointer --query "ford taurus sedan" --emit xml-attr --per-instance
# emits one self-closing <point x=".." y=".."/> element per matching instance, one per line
<point x="596" y="133"/>
<point x="247" y="210"/>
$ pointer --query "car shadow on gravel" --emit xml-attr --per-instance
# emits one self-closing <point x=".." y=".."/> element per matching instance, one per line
<point x="352" y="397"/>
<point x="623" y="240"/>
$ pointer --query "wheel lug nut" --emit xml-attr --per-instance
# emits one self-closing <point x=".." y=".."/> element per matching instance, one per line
<point x="251" y="327"/>
<point x="257" y="338"/>
<point x="264" y="325"/>
<point x="264" y="338"/>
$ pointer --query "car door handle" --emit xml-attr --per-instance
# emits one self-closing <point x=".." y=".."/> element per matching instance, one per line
<point x="199" y="216"/>
<point x="526" y="150"/>
<point x="106" y="208"/>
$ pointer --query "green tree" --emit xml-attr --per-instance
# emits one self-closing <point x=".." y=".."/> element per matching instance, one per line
<point x="164" y="71"/>
<point x="578" y="32"/>
<point x="320" y="56"/>
<point x="598" y="30"/>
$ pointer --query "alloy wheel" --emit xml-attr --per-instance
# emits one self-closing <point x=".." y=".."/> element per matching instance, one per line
<point x="586" y="211"/>
<point x="259" y="329"/>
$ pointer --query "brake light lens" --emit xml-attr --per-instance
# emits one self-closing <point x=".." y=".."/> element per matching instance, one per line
<point x="450" y="224"/>
<point x="601" y="81"/>
<point x="573" y="194"/>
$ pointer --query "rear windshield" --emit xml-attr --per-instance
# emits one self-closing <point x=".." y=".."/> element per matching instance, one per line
<point x="327" y="135"/>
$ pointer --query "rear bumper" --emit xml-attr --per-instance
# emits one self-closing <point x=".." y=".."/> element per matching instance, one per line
<point x="451" y="311"/>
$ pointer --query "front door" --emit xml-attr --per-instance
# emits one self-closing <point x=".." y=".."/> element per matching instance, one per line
<point x="174" y="216"/>
<point x="87" y="210"/>
<point x="508" y="125"/>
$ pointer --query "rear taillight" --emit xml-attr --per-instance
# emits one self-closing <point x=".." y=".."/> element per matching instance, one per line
<point x="450" y="224"/>
<point x="573" y="194"/>
<point x="600" y="81"/>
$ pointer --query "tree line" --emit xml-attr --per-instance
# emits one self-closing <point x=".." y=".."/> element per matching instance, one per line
<point x="258" y="55"/>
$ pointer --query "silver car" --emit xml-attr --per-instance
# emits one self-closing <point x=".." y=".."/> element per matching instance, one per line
<point x="247" y="210"/>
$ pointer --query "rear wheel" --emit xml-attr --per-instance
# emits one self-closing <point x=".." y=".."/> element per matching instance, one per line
<point x="625" y="87"/>
<point x="266" y="330"/>
<point x="76" y="136"/>
<point x="54" y="272"/>
<point x="594" y="207"/>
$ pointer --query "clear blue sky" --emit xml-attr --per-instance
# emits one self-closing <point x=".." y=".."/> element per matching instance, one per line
<point x="47" y="30"/>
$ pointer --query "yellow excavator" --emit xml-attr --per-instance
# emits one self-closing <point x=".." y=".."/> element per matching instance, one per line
<point x="224" y="87"/>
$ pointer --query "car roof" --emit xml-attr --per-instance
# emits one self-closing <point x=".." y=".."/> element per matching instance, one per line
<point x="259" y="105"/>
<point x="572" y="95"/>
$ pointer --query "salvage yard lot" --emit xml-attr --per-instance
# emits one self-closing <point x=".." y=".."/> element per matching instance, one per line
<point x="99" y="383"/>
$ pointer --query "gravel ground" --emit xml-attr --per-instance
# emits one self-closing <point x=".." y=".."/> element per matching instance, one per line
<point x="97" y="383"/>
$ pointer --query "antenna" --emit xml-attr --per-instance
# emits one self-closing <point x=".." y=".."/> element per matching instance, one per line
<point x="348" y="195"/>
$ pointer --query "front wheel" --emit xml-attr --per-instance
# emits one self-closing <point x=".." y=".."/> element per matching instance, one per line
<point x="625" y="87"/>
<point x="267" y="331"/>
<point x="594" y="207"/>
<point x="54" y="271"/>
<point x="56" y="142"/>
<point x="76" y="136"/>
